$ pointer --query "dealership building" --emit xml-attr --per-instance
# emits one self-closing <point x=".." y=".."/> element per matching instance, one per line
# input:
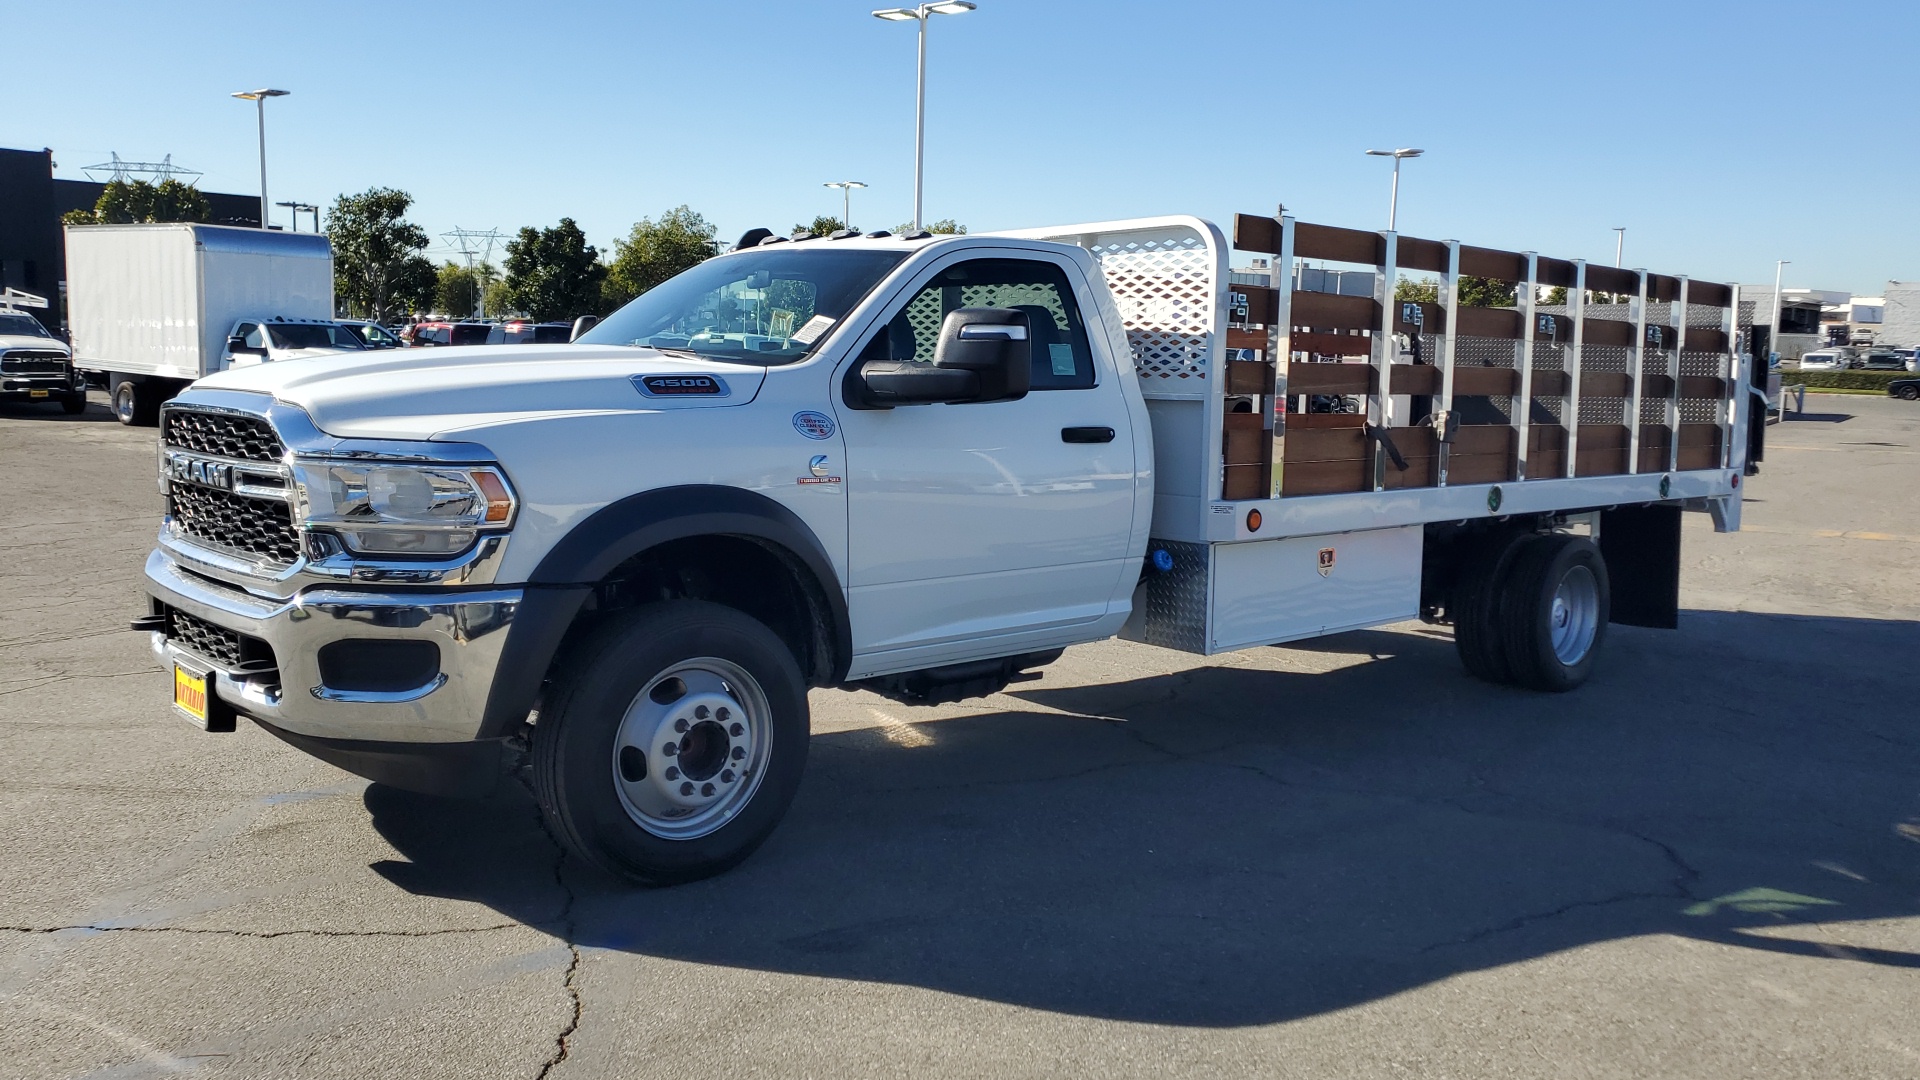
<point x="32" y="202"/>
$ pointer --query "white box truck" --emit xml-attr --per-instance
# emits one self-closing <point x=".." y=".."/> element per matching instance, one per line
<point x="155" y="307"/>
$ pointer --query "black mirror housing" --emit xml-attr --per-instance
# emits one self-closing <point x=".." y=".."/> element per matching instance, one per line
<point x="995" y="344"/>
<point x="581" y="325"/>
<point x="237" y="345"/>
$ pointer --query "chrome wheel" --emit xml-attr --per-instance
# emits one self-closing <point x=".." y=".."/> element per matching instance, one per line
<point x="1574" y="619"/>
<point x="691" y="750"/>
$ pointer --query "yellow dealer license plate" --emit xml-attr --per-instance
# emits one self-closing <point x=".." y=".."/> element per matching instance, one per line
<point x="38" y="393"/>
<point x="190" y="694"/>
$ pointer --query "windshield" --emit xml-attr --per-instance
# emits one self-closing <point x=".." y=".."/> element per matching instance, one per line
<point x="313" y="336"/>
<point x="758" y="306"/>
<point x="23" y="325"/>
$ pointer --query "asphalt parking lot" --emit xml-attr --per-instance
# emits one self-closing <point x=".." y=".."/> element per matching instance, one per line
<point x="1341" y="859"/>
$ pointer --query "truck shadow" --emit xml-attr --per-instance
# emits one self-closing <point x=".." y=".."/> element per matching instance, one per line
<point x="1225" y="846"/>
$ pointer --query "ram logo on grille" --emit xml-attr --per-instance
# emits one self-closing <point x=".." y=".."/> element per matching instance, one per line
<point x="193" y="470"/>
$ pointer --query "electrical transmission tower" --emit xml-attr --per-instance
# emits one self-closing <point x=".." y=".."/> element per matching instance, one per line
<point x="123" y="171"/>
<point x="471" y="242"/>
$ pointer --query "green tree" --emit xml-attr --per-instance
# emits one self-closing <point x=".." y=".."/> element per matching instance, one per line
<point x="943" y="227"/>
<point x="131" y="202"/>
<point x="377" y="266"/>
<point x="1474" y="291"/>
<point x="494" y="300"/>
<point x="655" y="250"/>
<point x="1558" y="295"/>
<point x="822" y="226"/>
<point x="460" y="291"/>
<point x="553" y="273"/>
<point x="1422" y="290"/>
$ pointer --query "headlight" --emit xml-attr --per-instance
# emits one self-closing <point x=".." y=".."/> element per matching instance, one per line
<point x="396" y="509"/>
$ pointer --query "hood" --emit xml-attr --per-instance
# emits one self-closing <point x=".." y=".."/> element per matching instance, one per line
<point x="424" y="393"/>
<point x="29" y="341"/>
<point x="305" y="354"/>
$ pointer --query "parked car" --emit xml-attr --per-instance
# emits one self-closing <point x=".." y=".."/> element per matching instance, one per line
<point x="35" y="365"/>
<point x="1883" y="360"/>
<point x="522" y="332"/>
<point x="372" y="334"/>
<point x="1904" y="389"/>
<point x="1825" y="360"/>
<point x="1909" y="358"/>
<point x="432" y="334"/>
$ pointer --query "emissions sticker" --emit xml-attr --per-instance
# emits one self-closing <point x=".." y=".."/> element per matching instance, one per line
<point x="813" y="425"/>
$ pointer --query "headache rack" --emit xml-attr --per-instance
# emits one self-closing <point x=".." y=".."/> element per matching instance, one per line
<point x="1273" y="521"/>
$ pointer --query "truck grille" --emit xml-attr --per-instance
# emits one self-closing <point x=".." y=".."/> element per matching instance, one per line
<point x="33" y="362"/>
<point x="262" y="527"/>
<point x="247" y="438"/>
<point x="203" y="639"/>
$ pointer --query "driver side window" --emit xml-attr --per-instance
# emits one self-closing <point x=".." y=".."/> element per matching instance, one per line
<point x="1062" y="359"/>
<point x="252" y="336"/>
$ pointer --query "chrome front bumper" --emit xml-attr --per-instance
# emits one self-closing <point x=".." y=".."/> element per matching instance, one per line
<point x="469" y="626"/>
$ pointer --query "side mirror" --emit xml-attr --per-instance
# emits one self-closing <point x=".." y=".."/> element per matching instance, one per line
<point x="237" y="345"/>
<point x="983" y="354"/>
<point x="581" y="325"/>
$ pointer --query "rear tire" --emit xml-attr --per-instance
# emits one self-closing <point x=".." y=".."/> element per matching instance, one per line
<point x="1910" y="393"/>
<point x="1553" y="611"/>
<point x="135" y="404"/>
<point x="1476" y="609"/>
<point x="672" y="742"/>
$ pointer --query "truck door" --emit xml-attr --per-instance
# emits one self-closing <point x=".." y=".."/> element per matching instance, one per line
<point x="977" y="528"/>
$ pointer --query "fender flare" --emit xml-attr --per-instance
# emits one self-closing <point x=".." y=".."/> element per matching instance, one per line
<point x="566" y="576"/>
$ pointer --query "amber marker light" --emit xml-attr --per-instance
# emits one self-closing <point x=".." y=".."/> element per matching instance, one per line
<point x="1253" y="521"/>
<point x="499" y="503"/>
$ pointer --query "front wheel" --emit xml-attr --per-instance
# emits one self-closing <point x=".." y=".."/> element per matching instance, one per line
<point x="74" y="404"/>
<point x="672" y="742"/>
<point x="1910" y="393"/>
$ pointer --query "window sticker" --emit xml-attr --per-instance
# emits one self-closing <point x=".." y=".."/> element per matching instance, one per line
<point x="1061" y="357"/>
<point x="812" y="329"/>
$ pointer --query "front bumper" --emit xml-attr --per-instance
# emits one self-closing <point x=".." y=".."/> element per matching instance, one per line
<point x="468" y="627"/>
<point x="25" y="386"/>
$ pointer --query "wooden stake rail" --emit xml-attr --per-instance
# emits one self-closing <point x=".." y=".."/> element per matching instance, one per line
<point x="1546" y="394"/>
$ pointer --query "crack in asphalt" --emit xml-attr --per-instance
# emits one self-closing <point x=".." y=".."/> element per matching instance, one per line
<point x="219" y="932"/>
<point x="65" y="676"/>
<point x="562" y="1042"/>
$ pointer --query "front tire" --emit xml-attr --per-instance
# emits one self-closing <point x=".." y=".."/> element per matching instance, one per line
<point x="1910" y="393"/>
<point x="672" y="742"/>
<point x="74" y="404"/>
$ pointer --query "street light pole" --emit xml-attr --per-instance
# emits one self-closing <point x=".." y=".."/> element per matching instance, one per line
<point x="920" y="15"/>
<point x="846" y="199"/>
<point x="1393" y="205"/>
<point x="1773" y="330"/>
<point x="259" y="99"/>
<point x="1619" y="243"/>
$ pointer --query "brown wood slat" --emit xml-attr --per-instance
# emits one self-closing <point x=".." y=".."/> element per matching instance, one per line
<point x="1699" y="435"/>
<point x="1242" y="482"/>
<point x="1329" y="444"/>
<point x="1708" y="387"/>
<point x="1479" y="468"/>
<point x="1336" y="244"/>
<point x="1246" y="441"/>
<point x="1605" y="384"/>
<point x="1420" y="448"/>
<point x="1699" y="457"/>
<point x="1415" y="379"/>
<point x="1256" y="232"/>
<point x="1485" y="322"/>
<point x="1703" y="340"/>
<point x="1433" y="320"/>
<point x="1550" y="384"/>
<point x="1263" y="304"/>
<point x="1413" y="253"/>
<point x="1542" y="437"/>
<point x="1545" y="464"/>
<point x="1608" y="461"/>
<point x="1249" y="377"/>
<point x="1492" y="263"/>
<point x="1655" y="436"/>
<point x="1663" y="288"/>
<point x="1555" y="272"/>
<point x="1323" y="421"/>
<point x="1612" y="279"/>
<point x="1709" y="294"/>
<point x="1329" y="379"/>
<point x="1607" y="332"/>
<point x="1246" y="339"/>
<point x="1325" y="477"/>
<point x="1485" y="382"/>
<point x="1657" y="385"/>
<point x="1603" y="437"/>
<point x="1333" y="344"/>
<point x="1483" y="439"/>
<point x="1331" y="311"/>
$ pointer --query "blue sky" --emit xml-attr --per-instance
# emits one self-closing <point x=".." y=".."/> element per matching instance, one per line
<point x="1723" y="135"/>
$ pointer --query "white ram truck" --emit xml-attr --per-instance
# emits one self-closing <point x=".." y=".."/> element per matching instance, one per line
<point x="921" y="465"/>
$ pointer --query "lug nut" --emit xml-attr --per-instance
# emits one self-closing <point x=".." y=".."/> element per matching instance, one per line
<point x="726" y="776"/>
<point x="686" y="789"/>
<point x="739" y="753"/>
<point x="680" y="725"/>
<point x="723" y="714"/>
<point x="706" y="789"/>
<point x="736" y="731"/>
<point x="699" y="713"/>
<point x="670" y="749"/>
<point x="671" y="773"/>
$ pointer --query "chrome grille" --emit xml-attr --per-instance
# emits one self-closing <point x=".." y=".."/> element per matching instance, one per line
<point x="247" y="438"/>
<point x="260" y="527"/>
<point x="33" y="362"/>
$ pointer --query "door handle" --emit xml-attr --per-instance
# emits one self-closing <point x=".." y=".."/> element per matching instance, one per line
<point x="1086" y="434"/>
